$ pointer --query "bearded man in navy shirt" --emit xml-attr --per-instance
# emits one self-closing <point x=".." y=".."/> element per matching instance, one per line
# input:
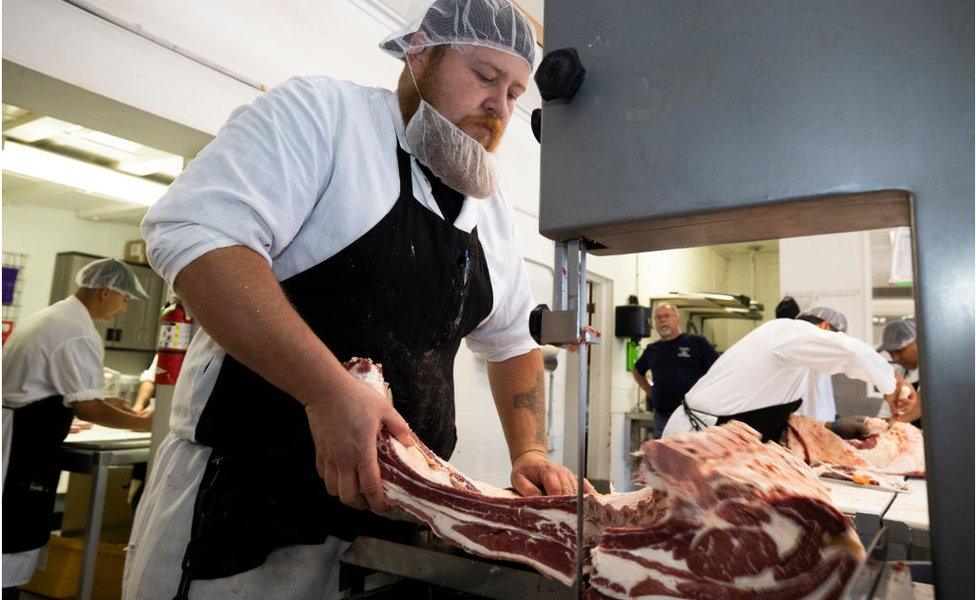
<point x="676" y="362"/>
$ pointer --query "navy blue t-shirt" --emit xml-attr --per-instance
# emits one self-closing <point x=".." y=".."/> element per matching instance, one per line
<point x="675" y="366"/>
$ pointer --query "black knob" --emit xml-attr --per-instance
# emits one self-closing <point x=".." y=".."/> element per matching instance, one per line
<point x="537" y="124"/>
<point x="535" y="322"/>
<point x="560" y="74"/>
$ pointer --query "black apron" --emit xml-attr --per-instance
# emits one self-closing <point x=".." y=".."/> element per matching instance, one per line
<point x="404" y="294"/>
<point x="33" y="470"/>
<point x="770" y="421"/>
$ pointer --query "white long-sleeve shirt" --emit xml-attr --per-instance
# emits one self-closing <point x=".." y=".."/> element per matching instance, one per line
<point x="298" y="175"/>
<point x="772" y="365"/>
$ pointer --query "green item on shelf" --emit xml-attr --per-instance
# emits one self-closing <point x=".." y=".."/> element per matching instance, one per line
<point x="633" y="353"/>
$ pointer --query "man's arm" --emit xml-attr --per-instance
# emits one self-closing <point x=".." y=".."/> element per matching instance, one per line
<point x="641" y="380"/>
<point x="518" y="388"/>
<point x="106" y="415"/>
<point x="709" y="354"/>
<point x="231" y="293"/>
<point x="143" y="395"/>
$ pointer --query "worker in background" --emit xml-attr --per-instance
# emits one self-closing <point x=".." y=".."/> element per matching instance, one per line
<point x="818" y="398"/>
<point x="676" y="362"/>
<point x="899" y="342"/>
<point x="787" y="308"/>
<point x="329" y="220"/>
<point x="761" y="379"/>
<point x="144" y="396"/>
<point x="53" y="372"/>
<point x="147" y="387"/>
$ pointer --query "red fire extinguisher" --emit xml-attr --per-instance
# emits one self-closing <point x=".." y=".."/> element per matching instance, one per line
<point x="175" y="332"/>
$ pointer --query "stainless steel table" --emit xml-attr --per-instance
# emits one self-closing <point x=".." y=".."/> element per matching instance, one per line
<point x="82" y="453"/>
<point x="432" y="561"/>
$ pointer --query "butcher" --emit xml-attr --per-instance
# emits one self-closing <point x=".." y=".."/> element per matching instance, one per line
<point x="329" y="220"/>
<point x="762" y="378"/>
<point x="899" y="343"/>
<point x="53" y="372"/>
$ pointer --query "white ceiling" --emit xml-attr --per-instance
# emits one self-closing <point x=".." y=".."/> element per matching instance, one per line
<point x="729" y="250"/>
<point x="87" y="145"/>
<point x="880" y="257"/>
<point x="23" y="191"/>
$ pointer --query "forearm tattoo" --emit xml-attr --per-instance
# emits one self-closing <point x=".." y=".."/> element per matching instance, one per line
<point x="533" y="400"/>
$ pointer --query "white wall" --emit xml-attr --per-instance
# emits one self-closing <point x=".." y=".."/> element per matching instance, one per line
<point x="759" y="282"/>
<point x="830" y="270"/>
<point x="41" y="233"/>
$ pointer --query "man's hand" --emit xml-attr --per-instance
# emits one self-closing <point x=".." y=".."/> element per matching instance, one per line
<point x="534" y="474"/>
<point x="574" y="348"/>
<point x="903" y="399"/>
<point x="121" y="404"/>
<point x="344" y="426"/>
<point x="145" y="420"/>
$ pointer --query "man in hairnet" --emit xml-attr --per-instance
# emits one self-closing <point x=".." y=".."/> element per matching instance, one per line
<point x="899" y="343"/>
<point x="762" y="378"/>
<point x="326" y="221"/>
<point x="52" y="372"/>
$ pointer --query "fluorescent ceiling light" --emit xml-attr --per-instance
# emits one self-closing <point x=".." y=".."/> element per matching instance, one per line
<point x="110" y="141"/>
<point x="40" y="129"/>
<point x="89" y="178"/>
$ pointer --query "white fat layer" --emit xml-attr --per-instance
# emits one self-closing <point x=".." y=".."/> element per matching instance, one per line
<point x="416" y="460"/>
<point x="371" y="376"/>
<point x="628" y="573"/>
<point x="443" y="520"/>
<point x="784" y="532"/>
<point x="555" y="517"/>
<point x="625" y="572"/>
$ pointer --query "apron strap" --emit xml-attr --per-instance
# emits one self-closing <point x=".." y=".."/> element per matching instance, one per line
<point x="693" y="415"/>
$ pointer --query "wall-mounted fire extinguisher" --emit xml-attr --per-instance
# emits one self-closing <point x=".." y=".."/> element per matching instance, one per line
<point x="175" y="332"/>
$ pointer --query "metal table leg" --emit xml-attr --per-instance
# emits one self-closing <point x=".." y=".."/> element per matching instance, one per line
<point x="96" y="502"/>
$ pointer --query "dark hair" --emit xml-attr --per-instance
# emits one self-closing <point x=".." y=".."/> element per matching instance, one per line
<point x="787" y="308"/>
<point x="815" y="320"/>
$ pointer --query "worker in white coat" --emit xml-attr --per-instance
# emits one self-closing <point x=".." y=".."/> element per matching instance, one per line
<point x="52" y="372"/>
<point x="761" y="379"/>
<point x="327" y="221"/>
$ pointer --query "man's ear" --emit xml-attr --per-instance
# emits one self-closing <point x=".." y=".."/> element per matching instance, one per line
<point x="418" y="57"/>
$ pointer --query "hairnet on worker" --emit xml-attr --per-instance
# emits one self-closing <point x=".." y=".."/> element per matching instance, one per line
<point x="897" y="335"/>
<point x="836" y="319"/>
<point x="113" y="274"/>
<point x="496" y="24"/>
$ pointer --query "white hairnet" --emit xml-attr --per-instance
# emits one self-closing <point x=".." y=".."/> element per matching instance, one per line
<point x="493" y="24"/>
<point x="112" y="274"/>
<point x="836" y="319"/>
<point x="897" y="335"/>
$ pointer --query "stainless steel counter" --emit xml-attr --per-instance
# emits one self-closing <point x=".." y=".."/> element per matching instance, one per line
<point x="94" y="452"/>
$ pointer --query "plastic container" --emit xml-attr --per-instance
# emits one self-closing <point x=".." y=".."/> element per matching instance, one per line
<point x="57" y="572"/>
<point x="9" y="283"/>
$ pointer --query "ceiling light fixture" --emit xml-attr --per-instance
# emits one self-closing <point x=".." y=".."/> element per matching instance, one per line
<point x="92" y="179"/>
